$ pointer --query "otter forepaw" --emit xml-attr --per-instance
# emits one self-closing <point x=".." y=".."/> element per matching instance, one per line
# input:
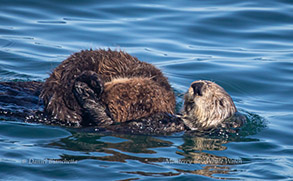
<point x="95" y="111"/>
<point x="83" y="93"/>
<point x="92" y="79"/>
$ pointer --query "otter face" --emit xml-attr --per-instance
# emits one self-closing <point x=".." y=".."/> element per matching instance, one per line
<point x="206" y="105"/>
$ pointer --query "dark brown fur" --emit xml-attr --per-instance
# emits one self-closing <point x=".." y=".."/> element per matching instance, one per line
<point x="57" y="92"/>
<point x="129" y="99"/>
<point x="19" y="101"/>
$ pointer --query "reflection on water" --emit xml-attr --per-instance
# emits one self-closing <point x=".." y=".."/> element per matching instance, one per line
<point x="141" y="148"/>
<point x="200" y="151"/>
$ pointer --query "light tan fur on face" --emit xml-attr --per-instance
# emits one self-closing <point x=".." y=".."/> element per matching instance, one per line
<point x="208" y="107"/>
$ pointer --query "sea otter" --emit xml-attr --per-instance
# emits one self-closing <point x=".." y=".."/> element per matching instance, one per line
<point x="104" y="87"/>
<point x="97" y="76"/>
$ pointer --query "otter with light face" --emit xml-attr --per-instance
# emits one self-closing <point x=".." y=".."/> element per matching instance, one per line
<point x="99" y="87"/>
<point x="206" y="106"/>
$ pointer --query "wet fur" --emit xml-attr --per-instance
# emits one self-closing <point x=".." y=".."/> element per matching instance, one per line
<point x="133" y="98"/>
<point x="61" y="103"/>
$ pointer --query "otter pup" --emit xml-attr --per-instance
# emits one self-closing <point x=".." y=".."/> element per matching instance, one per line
<point x="80" y="89"/>
<point x="121" y="99"/>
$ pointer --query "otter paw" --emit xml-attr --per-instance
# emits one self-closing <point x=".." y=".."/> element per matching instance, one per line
<point x="92" y="79"/>
<point x="83" y="93"/>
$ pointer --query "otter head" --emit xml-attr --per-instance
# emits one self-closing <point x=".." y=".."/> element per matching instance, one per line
<point x="206" y="105"/>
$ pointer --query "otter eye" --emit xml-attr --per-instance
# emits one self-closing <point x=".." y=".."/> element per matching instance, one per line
<point x="197" y="88"/>
<point x="222" y="102"/>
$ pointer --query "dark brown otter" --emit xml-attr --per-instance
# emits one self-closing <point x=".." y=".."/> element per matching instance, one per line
<point x="74" y="90"/>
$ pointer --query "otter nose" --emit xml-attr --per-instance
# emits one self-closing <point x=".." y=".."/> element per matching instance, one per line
<point x="197" y="88"/>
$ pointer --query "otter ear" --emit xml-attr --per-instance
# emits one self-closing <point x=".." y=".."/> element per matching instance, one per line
<point x="197" y="88"/>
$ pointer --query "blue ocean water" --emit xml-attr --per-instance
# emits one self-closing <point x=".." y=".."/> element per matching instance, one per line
<point x="245" y="46"/>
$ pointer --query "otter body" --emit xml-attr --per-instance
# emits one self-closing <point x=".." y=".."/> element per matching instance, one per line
<point x="101" y="88"/>
<point x="20" y="101"/>
<point x="124" y="87"/>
